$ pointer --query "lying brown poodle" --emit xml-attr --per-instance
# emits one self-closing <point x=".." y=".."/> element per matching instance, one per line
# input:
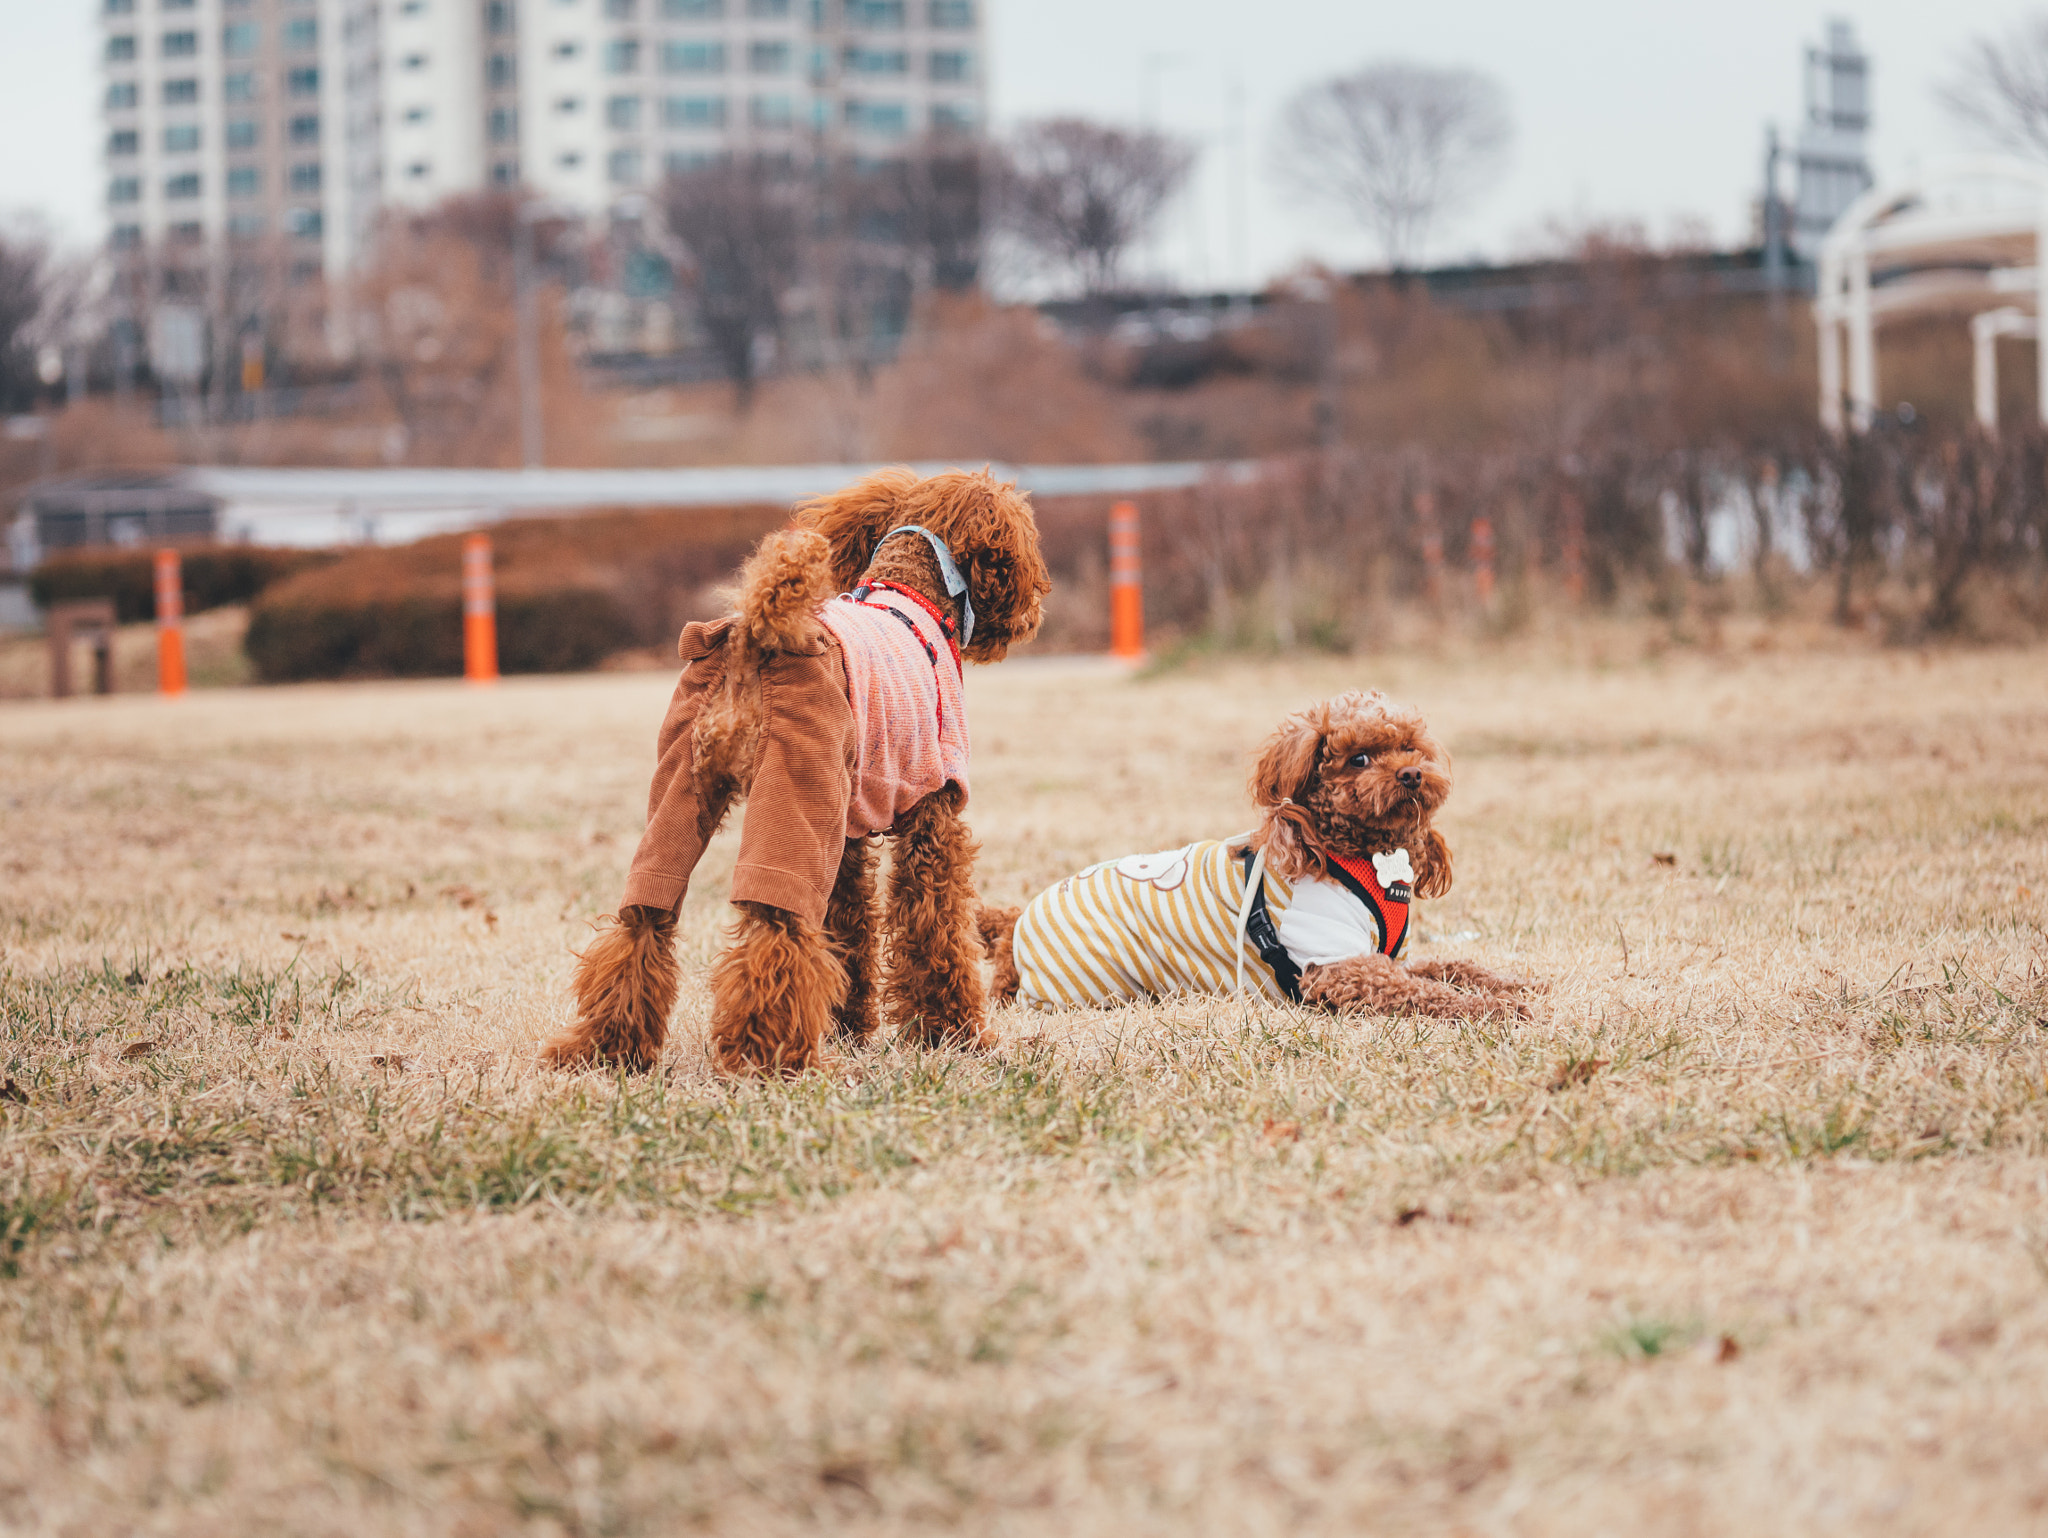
<point x="1313" y="905"/>
<point x="834" y="720"/>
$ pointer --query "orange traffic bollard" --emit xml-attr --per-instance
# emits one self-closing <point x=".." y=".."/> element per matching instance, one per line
<point x="479" y="612"/>
<point x="170" y="623"/>
<point x="1482" y="558"/>
<point x="1126" y="590"/>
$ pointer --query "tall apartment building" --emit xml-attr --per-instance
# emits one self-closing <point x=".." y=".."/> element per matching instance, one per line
<point x="252" y="144"/>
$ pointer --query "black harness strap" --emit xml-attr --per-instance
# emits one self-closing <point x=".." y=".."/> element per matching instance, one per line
<point x="1260" y="931"/>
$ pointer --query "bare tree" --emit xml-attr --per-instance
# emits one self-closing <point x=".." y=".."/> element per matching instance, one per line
<point x="740" y="224"/>
<point x="1397" y="146"/>
<point x="1999" y="90"/>
<point x="1081" y="194"/>
<point x="24" y="272"/>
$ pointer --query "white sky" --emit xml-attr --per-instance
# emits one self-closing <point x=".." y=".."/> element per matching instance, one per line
<point x="1645" y="109"/>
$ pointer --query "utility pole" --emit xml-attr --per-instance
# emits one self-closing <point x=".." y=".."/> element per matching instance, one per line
<point x="527" y="339"/>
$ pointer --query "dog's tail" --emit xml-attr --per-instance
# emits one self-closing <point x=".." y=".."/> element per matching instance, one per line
<point x="780" y="587"/>
<point x="998" y="926"/>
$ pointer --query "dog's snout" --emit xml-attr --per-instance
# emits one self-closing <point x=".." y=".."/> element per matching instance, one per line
<point x="1410" y="778"/>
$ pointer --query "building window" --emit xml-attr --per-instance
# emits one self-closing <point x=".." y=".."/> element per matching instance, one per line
<point x="570" y="161"/>
<point x="502" y="71"/>
<point x="245" y="226"/>
<point x="952" y="66"/>
<point x="303" y="81"/>
<point x="768" y="10"/>
<point x="772" y="112"/>
<point x="624" y="168"/>
<point x="623" y="112"/>
<point x="302" y="32"/>
<point x="120" y="50"/>
<point x="188" y="232"/>
<point x="568" y="104"/>
<point x="181" y="45"/>
<point x="568" y="48"/>
<point x="413" y="8"/>
<point x="302" y="222"/>
<point x="952" y="15"/>
<point x="693" y="10"/>
<point x="239" y="86"/>
<point x="242" y="133"/>
<point x="683" y="162"/>
<point x="305" y="130"/>
<point x="877" y="15"/>
<point x="693" y="58"/>
<point x="417" y="114"/>
<point x="506" y="173"/>
<point x="498" y="18"/>
<point x="306" y="178"/>
<point x="184" y="185"/>
<point x="768" y="58"/>
<point x="878" y="117"/>
<point x="622" y="56"/>
<point x="413" y="61"/>
<point x="953" y="117"/>
<point x="694" y="112"/>
<point x="124" y="141"/>
<point x="244" y="181"/>
<point x="419" y="170"/>
<point x="122" y="95"/>
<point x="181" y="138"/>
<point x="179" y="5"/>
<point x="238" y="39"/>
<point x="620" y="10"/>
<point x="124" y="189"/>
<point x="876" y="61"/>
<point x="504" y="125"/>
<point x="119" y="7"/>
<point x="126" y="237"/>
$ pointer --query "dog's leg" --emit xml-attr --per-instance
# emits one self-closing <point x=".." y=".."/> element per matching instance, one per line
<point x="1469" y="974"/>
<point x="934" y="987"/>
<point x="773" y="992"/>
<point x="625" y="990"/>
<point x="998" y="928"/>
<point x="1377" y="985"/>
<point x="850" y="927"/>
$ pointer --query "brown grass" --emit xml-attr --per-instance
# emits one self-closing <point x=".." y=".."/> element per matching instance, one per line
<point x="1747" y="1231"/>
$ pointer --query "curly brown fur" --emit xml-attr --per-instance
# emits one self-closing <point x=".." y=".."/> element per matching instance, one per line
<point x="998" y="928"/>
<point x="783" y="983"/>
<point x="773" y="992"/>
<point x="850" y="929"/>
<point x="934" y="984"/>
<point x="625" y="988"/>
<point x="1359" y="775"/>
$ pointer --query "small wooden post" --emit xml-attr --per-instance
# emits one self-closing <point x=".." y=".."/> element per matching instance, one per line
<point x="170" y="624"/>
<point x="1482" y="558"/>
<point x="479" y="612"/>
<point x="95" y="618"/>
<point x="1126" y="588"/>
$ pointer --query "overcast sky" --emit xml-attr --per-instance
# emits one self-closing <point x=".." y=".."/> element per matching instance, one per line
<point x="1639" y="109"/>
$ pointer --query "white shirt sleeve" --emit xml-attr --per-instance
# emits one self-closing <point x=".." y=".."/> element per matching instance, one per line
<point x="1325" y="923"/>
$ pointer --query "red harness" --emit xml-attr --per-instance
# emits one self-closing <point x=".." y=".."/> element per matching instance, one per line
<point x="1389" y="904"/>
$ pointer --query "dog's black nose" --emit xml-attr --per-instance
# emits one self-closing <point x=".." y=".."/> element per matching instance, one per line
<point x="1410" y="778"/>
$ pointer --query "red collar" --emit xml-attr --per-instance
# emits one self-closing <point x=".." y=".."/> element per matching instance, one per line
<point x="945" y="624"/>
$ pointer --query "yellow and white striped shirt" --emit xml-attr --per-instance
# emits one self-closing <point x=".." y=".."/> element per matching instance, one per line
<point x="1154" y="925"/>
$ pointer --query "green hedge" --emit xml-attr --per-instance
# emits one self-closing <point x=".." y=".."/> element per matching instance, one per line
<point x="214" y="576"/>
<point x="560" y="631"/>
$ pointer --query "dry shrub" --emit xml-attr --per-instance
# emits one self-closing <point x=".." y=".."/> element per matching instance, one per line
<point x="214" y="576"/>
<point x="571" y="592"/>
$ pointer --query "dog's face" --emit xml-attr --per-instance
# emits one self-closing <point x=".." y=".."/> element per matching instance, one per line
<point x="986" y="523"/>
<point x="1355" y="774"/>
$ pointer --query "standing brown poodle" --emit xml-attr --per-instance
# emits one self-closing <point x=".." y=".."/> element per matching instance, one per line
<point x="1313" y="905"/>
<point x="834" y="719"/>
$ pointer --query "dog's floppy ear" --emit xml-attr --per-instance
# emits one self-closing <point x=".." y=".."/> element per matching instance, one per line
<point x="1432" y="862"/>
<point x="1286" y="767"/>
<point x="855" y="517"/>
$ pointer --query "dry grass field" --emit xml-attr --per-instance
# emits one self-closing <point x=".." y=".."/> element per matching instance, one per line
<point x="1746" y="1231"/>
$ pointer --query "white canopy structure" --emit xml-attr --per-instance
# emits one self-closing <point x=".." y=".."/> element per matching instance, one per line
<point x="1964" y="238"/>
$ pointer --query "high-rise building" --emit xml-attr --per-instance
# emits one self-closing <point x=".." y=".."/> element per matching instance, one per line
<point x="252" y="144"/>
<point x="1831" y="153"/>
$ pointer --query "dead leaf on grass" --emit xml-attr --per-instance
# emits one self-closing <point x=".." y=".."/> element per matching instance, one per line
<point x="1664" y="858"/>
<point x="465" y="896"/>
<point x="1570" y="1075"/>
<point x="1409" y="1215"/>
<point x="1278" y="1132"/>
<point x="136" y="1049"/>
<point x="287" y="934"/>
<point x="490" y="921"/>
<point x="392" y="1060"/>
<point x="1719" y="1348"/>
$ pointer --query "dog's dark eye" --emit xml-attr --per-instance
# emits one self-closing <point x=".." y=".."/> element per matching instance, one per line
<point x="1360" y="760"/>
